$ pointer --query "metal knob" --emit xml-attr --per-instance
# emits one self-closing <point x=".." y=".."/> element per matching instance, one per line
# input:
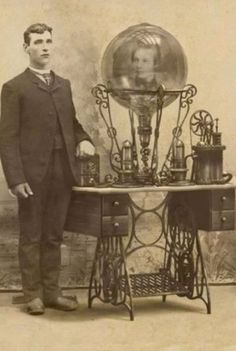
<point x="223" y="219"/>
<point x="223" y="198"/>
<point x="116" y="203"/>
<point x="116" y="225"/>
<point x="91" y="180"/>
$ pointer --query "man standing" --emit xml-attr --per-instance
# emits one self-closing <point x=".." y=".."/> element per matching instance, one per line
<point x="40" y="139"/>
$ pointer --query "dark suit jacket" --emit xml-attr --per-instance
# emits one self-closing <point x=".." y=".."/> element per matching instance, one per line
<point x="28" y="117"/>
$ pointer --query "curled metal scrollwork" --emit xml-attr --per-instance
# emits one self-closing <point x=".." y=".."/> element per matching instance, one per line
<point x="111" y="132"/>
<point x="116" y="157"/>
<point x="187" y="95"/>
<point x="101" y="95"/>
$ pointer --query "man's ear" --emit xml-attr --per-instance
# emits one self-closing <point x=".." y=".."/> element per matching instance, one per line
<point x="26" y="47"/>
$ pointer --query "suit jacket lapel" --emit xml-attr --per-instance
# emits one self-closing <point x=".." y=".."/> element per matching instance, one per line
<point x="56" y="83"/>
<point x="36" y="80"/>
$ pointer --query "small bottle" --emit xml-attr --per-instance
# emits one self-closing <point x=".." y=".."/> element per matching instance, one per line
<point x="127" y="156"/>
<point x="178" y="151"/>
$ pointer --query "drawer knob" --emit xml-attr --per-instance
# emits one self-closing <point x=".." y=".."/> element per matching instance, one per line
<point x="116" y="225"/>
<point x="116" y="203"/>
<point x="223" y="219"/>
<point x="223" y="198"/>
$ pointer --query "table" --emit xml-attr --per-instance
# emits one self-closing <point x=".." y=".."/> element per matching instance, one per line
<point x="111" y="215"/>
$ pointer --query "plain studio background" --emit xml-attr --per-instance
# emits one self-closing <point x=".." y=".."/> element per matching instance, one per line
<point x="82" y="30"/>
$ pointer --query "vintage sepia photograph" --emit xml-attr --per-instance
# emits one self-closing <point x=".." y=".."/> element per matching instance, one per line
<point x="117" y="175"/>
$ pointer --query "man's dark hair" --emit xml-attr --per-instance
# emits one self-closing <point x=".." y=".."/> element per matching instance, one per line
<point x="36" y="28"/>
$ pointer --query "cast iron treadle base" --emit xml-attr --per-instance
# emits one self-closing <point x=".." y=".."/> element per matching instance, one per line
<point x="153" y="284"/>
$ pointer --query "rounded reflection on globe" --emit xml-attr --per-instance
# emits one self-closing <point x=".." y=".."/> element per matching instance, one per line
<point x="138" y="61"/>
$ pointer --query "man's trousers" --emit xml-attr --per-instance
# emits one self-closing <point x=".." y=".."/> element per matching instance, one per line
<point x="41" y="218"/>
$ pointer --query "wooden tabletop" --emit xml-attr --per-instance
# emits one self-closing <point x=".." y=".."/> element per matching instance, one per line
<point x="153" y="188"/>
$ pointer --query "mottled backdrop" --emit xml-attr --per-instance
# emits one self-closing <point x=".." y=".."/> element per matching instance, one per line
<point x="82" y="30"/>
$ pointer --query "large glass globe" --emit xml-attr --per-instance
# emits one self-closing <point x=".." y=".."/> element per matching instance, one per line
<point x="138" y="61"/>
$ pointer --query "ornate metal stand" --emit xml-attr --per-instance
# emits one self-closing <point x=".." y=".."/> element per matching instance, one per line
<point x="132" y="170"/>
<point x="182" y="272"/>
<point x="184" y="260"/>
<point x="109" y="275"/>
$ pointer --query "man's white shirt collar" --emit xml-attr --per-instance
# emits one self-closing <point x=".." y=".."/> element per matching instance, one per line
<point x="39" y="71"/>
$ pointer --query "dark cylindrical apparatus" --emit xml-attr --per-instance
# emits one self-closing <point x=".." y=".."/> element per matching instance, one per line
<point x="208" y="165"/>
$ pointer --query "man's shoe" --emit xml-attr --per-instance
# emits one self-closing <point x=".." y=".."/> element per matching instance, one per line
<point x="63" y="303"/>
<point x="35" y="307"/>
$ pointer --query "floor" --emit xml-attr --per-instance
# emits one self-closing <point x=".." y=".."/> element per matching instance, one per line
<point x="176" y="325"/>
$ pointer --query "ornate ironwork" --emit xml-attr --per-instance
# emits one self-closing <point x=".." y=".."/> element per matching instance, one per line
<point x="182" y="270"/>
<point x="101" y="95"/>
<point x="184" y="259"/>
<point x="145" y="171"/>
<point x="185" y="100"/>
<point x="201" y="124"/>
<point x="187" y="95"/>
<point x="100" y="92"/>
<point x="109" y="279"/>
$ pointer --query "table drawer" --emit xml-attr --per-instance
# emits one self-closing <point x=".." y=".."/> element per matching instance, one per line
<point x="212" y="209"/>
<point x="117" y="225"/>
<point x="223" y="199"/>
<point x="222" y="220"/>
<point x="115" y="205"/>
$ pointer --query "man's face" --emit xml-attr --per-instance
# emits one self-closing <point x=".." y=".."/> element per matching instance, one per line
<point x="39" y="49"/>
<point x="144" y="63"/>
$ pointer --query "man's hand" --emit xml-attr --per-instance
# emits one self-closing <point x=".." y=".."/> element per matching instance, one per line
<point x="22" y="190"/>
<point x="85" y="148"/>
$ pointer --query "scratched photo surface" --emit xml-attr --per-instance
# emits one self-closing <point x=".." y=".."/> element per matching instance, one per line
<point x="82" y="30"/>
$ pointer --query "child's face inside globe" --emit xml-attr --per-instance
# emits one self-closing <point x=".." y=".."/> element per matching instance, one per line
<point x="144" y="61"/>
